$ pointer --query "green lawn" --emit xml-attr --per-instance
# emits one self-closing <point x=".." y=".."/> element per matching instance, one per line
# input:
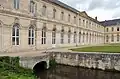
<point x="108" y="49"/>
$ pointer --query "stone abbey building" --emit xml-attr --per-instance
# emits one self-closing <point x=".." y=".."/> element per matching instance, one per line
<point x="39" y="24"/>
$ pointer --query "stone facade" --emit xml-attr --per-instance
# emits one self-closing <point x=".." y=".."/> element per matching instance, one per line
<point x="112" y="34"/>
<point x="103" y="61"/>
<point x="112" y="30"/>
<point x="54" y="25"/>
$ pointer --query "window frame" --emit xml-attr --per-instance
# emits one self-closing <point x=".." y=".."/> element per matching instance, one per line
<point x="62" y="15"/>
<point x="32" y="6"/>
<point x="16" y="35"/>
<point x="31" y="35"/>
<point x="54" y="36"/>
<point x="54" y="13"/>
<point x="43" y="34"/>
<point x="44" y="10"/>
<point x="118" y="36"/>
<point x="75" y="37"/>
<point x="62" y="36"/>
<point x="69" y="36"/>
<point x="16" y="4"/>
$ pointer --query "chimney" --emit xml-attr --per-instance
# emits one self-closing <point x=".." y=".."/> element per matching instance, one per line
<point x="96" y="18"/>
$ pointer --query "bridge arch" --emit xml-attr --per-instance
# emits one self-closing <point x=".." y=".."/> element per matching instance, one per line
<point x="40" y="66"/>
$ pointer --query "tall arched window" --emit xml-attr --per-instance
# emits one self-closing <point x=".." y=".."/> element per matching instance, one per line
<point x="107" y="38"/>
<point x="83" y="37"/>
<point x="107" y="29"/>
<point x="31" y="36"/>
<point x="69" y="18"/>
<point x="118" y="37"/>
<point x="44" y="10"/>
<point x="62" y="36"/>
<point x="62" y="15"/>
<point x="79" y="37"/>
<point x="75" y="37"/>
<point x="54" y="13"/>
<point x="54" y="36"/>
<point x="112" y="38"/>
<point x="44" y="34"/>
<point x="112" y="29"/>
<point x="79" y="21"/>
<point x="32" y="6"/>
<point x="87" y="37"/>
<point x="90" y="38"/>
<point x="69" y="36"/>
<point x="15" y="34"/>
<point x="117" y="28"/>
<point x="74" y="20"/>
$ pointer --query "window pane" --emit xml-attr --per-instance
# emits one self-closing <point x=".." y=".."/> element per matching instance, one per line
<point x="17" y="4"/>
<point x="32" y="41"/>
<point x="17" y="32"/>
<point x="42" y="33"/>
<point x="13" y="40"/>
<point x="13" y="31"/>
<point x="29" y="41"/>
<point x="42" y="41"/>
<point x="29" y="33"/>
<point x="32" y="33"/>
<point x="53" y="41"/>
<point x="17" y="41"/>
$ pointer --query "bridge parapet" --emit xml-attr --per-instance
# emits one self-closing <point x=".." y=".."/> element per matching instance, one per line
<point x="30" y="62"/>
<point x="98" y="60"/>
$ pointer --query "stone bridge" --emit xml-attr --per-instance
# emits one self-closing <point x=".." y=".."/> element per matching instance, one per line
<point x="35" y="62"/>
<point x="96" y="60"/>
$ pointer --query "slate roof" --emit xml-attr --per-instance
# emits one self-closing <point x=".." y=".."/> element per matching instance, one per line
<point x="62" y="5"/>
<point x="83" y="14"/>
<point x="111" y="22"/>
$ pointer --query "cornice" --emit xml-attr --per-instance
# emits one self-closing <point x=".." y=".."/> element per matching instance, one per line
<point x="11" y="12"/>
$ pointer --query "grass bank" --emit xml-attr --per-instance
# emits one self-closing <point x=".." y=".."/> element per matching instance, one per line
<point x="106" y="49"/>
<point x="10" y="69"/>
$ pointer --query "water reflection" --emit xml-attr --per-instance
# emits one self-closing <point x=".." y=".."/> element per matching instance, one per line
<point x="67" y="72"/>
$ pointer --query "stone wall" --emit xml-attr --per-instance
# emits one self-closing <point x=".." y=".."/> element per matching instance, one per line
<point x="30" y="62"/>
<point x="103" y="61"/>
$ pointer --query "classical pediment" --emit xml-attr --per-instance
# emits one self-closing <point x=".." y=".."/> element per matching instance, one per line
<point x="84" y="14"/>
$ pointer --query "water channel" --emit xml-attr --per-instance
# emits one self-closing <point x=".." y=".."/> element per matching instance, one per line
<point x="68" y="72"/>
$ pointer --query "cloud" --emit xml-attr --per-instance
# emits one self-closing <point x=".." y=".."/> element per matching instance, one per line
<point x="76" y="3"/>
<point x="93" y="4"/>
<point x="116" y="13"/>
<point x="109" y="9"/>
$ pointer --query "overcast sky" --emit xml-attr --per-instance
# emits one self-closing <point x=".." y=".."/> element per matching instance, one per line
<point x="103" y="9"/>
